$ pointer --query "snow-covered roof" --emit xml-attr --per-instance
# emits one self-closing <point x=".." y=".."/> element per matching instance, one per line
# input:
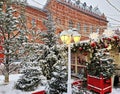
<point x="85" y="6"/>
<point x="37" y="3"/>
<point x="96" y="10"/>
<point x="40" y="4"/>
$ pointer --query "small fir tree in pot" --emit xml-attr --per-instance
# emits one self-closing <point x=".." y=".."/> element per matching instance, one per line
<point x="101" y="64"/>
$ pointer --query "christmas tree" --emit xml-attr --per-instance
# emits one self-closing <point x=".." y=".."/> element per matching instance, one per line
<point x="32" y="77"/>
<point x="31" y="51"/>
<point x="12" y="32"/>
<point x="58" y="82"/>
<point x="53" y="60"/>
<point x="32" y="73"/>
<point x="101" y="64"/>
<point x="49" y="39"/>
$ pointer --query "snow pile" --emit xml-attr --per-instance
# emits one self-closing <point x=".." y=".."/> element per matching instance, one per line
<point x="115" y="91"/>
<point x="9" y="89"/>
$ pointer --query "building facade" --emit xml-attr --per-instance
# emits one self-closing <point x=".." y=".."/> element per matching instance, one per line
<point x="68" y="14"/>
<point x="71" y="14"/>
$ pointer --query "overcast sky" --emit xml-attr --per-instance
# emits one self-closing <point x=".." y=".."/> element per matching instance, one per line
<point x="103" y="5"/>
<point x="107" y="9"/>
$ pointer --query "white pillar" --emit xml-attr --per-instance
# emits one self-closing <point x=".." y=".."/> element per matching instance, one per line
<point x="69" y="88"/>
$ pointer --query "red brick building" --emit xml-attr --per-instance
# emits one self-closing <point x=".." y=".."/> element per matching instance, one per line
<point x="66" y="14"/>
<point x="69" y="13"/>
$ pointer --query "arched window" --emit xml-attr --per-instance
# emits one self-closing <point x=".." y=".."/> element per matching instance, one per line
<point x="33" y="22"/>
<point x="58" y="21"/>
<point x="78" y="26"/>
<point x="97" y="30"/>
<point x="91" y="29"/>
<point x="71" y="24"/>
<point x="85" y="28"/>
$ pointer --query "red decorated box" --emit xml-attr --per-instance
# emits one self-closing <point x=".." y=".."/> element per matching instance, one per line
<point x="39" y="92"/>
<point x="1" y="55"/>
<point x="77" y="83"/>
<point x="99" y="84"/>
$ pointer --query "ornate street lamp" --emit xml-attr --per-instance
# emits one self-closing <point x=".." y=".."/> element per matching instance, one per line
<point x="66" y="37"/>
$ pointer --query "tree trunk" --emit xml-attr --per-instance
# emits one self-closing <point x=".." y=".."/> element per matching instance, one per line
<point x="6" y="78"/>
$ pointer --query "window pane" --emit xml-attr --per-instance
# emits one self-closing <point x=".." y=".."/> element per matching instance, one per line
<point x="78" y="26"/>
<point x="70" y="24"/>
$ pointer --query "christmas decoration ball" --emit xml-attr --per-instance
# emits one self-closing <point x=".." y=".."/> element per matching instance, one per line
<point x="80" y="48"/>
<point x="85" y="53"/>
<point x="103" y="38"/>
<point x="109" y="39"/>
<point x="106" y="45"/>
<point x="93" y="44"/>
<point x="115" y="37"/>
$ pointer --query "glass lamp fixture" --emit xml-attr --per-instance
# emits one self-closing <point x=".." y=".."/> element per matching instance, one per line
<point x="64" y="36"/>
<point x="76" y="37"/>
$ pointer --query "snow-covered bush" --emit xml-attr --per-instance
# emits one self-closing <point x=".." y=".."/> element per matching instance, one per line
<point x="32" y="77"/>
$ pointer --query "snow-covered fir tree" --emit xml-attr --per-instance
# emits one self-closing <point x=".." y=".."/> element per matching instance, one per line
<point x="49" y="37"/>
<point x="53" y="61"/>
<point x="49" y="57"/>
<point x="11" y="31"/>
<point x="31" y="70"/>
<point x="32" y="77"/>
<point x="101" y="64"/>
<point x="58" y="82"/>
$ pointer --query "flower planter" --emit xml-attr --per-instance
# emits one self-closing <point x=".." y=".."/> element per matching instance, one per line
<point x="99" y="84"/>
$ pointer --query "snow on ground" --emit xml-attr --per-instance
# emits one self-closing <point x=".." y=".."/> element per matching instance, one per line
<point x="116" y="91"/>
<point x="9" y="89"/>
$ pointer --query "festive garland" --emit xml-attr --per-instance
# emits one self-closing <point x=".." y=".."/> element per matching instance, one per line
<point x="108" y="42"/>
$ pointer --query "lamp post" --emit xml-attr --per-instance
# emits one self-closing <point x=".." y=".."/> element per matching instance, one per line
<point x="66" y="37"/>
